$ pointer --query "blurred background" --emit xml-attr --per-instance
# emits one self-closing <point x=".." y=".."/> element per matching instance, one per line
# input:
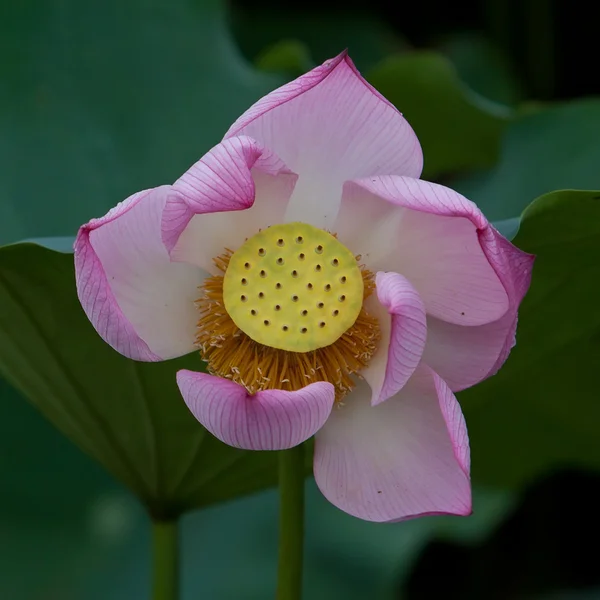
<point x="99" y="99"/>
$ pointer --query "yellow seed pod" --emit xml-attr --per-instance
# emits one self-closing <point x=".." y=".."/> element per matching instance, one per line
<point x="294" y="287"/>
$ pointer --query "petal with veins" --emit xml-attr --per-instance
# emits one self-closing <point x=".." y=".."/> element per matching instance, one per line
<point x="267" y="420"/>
<point x="433" y="236"/>
<point x="401" y="316"/>
<point x="405" y="458"/>
<point x="232" y="191"/>
<point x="464" y="356"/>
<point x="329" y="126"/>
<point x="140" y="302"/>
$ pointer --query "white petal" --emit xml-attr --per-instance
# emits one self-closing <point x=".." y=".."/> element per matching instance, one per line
<point x="129" y="287"/>
<point x="404" y="458"/>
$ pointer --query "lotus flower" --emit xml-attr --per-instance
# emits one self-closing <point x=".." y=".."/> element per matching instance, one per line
<point x="328" y="289"/>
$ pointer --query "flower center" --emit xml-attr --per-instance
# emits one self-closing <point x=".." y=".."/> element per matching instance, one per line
<point x="287" y="311"/>
<point x="293" y="287"/>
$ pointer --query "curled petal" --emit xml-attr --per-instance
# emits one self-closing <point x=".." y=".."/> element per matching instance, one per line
<point x="402" y="320"/>
<point x="464" y="356"/>
<point x="222" y="181"/>
<point x="268" y="420"/>
<point x="138" y="301"/>
<point x="436" y="238"/>
<point x="329" y="126"/>
<point x="459" y="253"/>
<point x="405" y="458"/>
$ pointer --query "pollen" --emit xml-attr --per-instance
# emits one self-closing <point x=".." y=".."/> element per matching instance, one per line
<point x="287" y="311"/>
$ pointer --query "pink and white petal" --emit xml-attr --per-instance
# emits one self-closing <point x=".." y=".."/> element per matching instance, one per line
<point x="370" y="225"/>
<point x="329" y="126"/>
<point x="403" y="324"/>
<point x="207" y="235"/>
<point x="223" y="181"/>
<point x="435" y="237"/>
<point x="405" y="458"/>
<point x="268" y="420"/>
<point x="464" y="356"/>
<point x="138" y="301"/>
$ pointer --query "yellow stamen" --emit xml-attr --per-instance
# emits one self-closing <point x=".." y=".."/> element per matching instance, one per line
<point x="269" y="356"/>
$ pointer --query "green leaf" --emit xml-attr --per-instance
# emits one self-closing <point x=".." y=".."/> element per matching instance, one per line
<point x="127" y="415"/>
<point x="59" y="244"/>
<point x="457" y="129"/>
<point x="541" y="410"/>
<point x="43" y="475"/>
<point x="546" y="149"/>
<point x="483" y="67"/>
<point x="325" y="33"/>
<point x="289" y="57"/>
<point x="103" y="99"/>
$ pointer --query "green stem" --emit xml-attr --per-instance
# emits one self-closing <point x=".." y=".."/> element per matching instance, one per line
<point x="291" y="523"/>
<point x="165" y="560"/>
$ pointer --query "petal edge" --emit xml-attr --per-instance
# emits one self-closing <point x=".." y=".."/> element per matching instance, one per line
<point x="139" y="302"/>
<point x="221" y="181"/>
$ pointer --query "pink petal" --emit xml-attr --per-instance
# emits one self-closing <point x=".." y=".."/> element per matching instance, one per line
<point x="435" y="237"/>
<point x="269" y="420"/>
<point x="403" y="326"/>
<point x="464" y="356"/>
<point x="138" y="301"/>
<point x="405" y="458"/>
<point x="329" y="126"/>
<point x="225" y="180"/>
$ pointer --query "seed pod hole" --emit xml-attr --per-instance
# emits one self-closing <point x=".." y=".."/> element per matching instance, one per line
<point x="280" y="242"/>
<point x="261" y="251"/>
<point x="280" y="261"/>
<point x="319" y="249"/>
